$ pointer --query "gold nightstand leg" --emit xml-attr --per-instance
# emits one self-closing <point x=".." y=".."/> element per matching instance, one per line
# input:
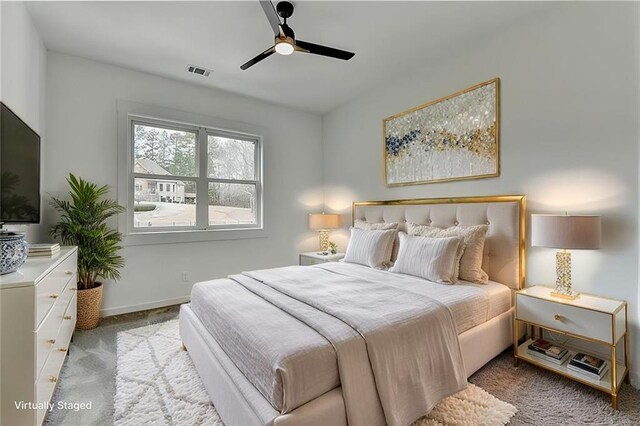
<point x="626" y="347"/>
<point x="515" y="342"/>
<point x="614" y="378"/>
<point x="184" y="348"/>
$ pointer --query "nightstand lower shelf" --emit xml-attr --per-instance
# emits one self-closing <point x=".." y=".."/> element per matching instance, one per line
<point x="603" y="384"/>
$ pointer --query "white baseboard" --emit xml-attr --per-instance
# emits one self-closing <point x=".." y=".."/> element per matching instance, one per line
<point x="144" y="306"/>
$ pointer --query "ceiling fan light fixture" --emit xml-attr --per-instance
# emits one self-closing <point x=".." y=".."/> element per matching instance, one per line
<point x="285" y="39"/>
<point x="285" y="46"/>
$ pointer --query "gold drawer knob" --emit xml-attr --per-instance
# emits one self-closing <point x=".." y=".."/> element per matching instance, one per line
<point x="73" y="289"/>
<point x="54" y="296"/>
<point x="63" y="349"/>
<point x="67" y="317"/>
<point x="557" y="317"/>
<point x="52" y="341"/>
<point x="68" y="272"/>
<point x="53" y="379"/>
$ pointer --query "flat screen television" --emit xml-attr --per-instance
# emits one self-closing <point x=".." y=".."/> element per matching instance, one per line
<point x="19" y="170"/>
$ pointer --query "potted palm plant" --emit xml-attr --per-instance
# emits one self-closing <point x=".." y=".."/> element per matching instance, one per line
<point x="83" y="223"/>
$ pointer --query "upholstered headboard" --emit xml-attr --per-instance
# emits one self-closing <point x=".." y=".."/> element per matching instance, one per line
<point x="504" y="250"/>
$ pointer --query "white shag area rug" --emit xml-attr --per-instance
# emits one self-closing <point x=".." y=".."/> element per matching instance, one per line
<point x="156" y="383"/>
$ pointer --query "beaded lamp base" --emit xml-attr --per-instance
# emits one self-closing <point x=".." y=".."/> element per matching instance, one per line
<point x="324" y="240"/>
<point x="563" y="276"/>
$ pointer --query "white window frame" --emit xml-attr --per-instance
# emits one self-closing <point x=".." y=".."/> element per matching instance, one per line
<point x="131" y="113"/>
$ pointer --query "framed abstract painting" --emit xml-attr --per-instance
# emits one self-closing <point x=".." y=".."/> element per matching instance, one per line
<point x="452" y="138"/>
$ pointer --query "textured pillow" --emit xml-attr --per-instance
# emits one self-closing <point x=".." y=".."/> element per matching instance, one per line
<point x="473" y="238"/>
<point x="434" y="259"/>
<point x="380" y="226"/>
<point x="370" y="248"/>
<point x="377" y="226"/>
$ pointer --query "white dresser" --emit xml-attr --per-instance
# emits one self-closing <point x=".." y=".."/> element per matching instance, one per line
<point x="37" y="318"/>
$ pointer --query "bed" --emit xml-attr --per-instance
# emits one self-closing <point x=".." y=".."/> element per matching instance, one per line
<point x="271" y="351"/>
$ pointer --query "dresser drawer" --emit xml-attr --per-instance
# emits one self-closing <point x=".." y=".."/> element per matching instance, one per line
<point x="566" y="318"/>
<point x="51" y="286"/>
<point x="47" y="334"/>
<point x="68" y="325"/>
<point x="46" y="383"/>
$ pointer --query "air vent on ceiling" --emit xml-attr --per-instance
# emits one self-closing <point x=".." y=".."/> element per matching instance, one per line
<point x="198" y="70"/>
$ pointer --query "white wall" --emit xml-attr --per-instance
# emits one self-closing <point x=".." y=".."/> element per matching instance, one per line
<point x="82" y="138"/>
<point x="22" y="71"/>
<point x="569" y="135"/>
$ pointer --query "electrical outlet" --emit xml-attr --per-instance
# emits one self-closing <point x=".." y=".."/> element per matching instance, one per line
<point x="185" y="277"/>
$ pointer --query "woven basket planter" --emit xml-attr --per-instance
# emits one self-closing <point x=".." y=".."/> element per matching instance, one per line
<point x="89" y="304"/>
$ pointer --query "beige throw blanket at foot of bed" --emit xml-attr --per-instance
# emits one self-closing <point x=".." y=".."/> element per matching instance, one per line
<point x="412" y="356"/>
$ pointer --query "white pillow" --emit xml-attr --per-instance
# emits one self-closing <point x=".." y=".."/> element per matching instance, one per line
<point x="434" y="259"/>
<point x="381" y="226"/>
<point x="370" y="248"/>
<point x="474" y="239"/>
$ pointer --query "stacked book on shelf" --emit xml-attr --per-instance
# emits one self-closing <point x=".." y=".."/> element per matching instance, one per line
<point x="588" y="365"/>
<point x="37" y="250"/>
<point x="542" y="349"/>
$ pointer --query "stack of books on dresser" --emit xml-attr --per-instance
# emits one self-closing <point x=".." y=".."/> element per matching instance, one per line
<point x="542" y="349"/>
<point x="588" y="365"/>
<point x="37" y="250"/>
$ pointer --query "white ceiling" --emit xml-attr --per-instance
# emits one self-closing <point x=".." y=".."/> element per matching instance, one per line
<point x="163" y="37"/>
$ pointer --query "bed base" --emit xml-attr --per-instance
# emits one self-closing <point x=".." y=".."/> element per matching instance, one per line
<point x="235" y="398"/>
<point x="240" y="404"/>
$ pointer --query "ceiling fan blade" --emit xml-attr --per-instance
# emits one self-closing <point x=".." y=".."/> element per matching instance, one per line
<point x="324" y="50"/>
<point x="270" y="51"/>
<point x="272" y="15"/>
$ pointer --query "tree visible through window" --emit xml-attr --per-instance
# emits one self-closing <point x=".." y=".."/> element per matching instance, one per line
<point x="169" y="187"/>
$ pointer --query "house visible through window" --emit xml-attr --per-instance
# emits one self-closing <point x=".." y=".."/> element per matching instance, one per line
<point x="193" y="177"/>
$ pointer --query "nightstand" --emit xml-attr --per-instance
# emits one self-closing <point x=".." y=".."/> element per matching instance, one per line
<point x="588" y="318"/>
<point x="314" y="258"/>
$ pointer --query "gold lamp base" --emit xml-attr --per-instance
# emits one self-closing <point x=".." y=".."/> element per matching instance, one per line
<point x="572" y="296"/>
<point x="324" y="240"/>
<point x="563" y="277"/>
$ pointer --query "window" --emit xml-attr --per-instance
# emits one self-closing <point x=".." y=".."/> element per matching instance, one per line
<point x="190" y="177"/>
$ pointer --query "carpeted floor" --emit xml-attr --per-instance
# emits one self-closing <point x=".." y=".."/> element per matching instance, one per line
<point x="157" y="383"/>
<point x="542" y="398"/>
<point x="89" y="374"/>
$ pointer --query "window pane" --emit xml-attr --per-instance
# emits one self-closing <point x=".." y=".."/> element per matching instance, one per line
<point x="231" y="158"/>
<point x="232" y="203"/>
<point x="161" y="151"/>
<point x="157" y="204"/>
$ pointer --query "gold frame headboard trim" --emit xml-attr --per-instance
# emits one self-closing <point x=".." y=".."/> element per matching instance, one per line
<point x="521" y="199"/>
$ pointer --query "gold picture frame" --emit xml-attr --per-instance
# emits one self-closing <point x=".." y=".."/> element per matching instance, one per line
<point x="481" y="145"/>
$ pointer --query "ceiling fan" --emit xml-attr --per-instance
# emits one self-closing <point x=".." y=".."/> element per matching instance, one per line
<point x="285" y="39"/>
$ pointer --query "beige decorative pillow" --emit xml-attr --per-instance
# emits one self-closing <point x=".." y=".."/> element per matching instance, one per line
<point x="377" y="226"/>
<point x="370" y="248"/>
<point x="380" y="226"/>
<point x="434" y="259"/>
<point x="473" y="238"/>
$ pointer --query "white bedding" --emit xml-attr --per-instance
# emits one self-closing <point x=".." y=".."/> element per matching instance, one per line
<point x="292" y="371"/>
<point x="471" y="304"/>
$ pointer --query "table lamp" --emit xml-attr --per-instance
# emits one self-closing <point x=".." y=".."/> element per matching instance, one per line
<point x="565" y="232"/>
<point x="322" y="223"/>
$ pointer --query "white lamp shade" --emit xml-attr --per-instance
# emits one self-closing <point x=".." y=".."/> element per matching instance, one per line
<point x="565" y="232"/>
<point x="324" y="221"/>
